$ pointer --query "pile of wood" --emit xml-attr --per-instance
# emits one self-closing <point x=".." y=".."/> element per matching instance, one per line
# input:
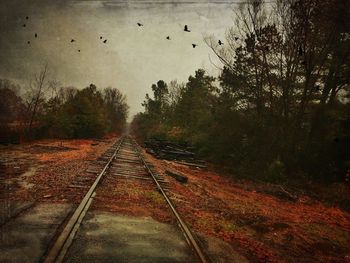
<point x="182" y="153"/>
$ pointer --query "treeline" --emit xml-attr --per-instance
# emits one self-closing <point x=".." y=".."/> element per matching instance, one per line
<point x="84" y="113"/>
<point x="45" y="110"/>
<point x="280" y="108"/>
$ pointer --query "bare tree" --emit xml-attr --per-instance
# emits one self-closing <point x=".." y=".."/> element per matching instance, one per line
<point x="36" y="95"/>
<point x="65" y="94"/>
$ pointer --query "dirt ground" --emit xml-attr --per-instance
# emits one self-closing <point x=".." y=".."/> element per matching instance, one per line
<point x="260" y="226"/>
<point x="41" y="171"/>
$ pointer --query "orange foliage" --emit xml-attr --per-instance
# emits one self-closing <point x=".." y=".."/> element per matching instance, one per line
<point x="261" y="226"/>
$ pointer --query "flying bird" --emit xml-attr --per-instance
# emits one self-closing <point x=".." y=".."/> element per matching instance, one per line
<point x="194" y="45"/>
<point x="236" y="38"/>
<point x="168" y="37"/>
<point x="100" y="37"/>
<point x="28" y="42"/>
<point x="220" y="43"/>
<point x="105" y="41"/>
<point x="186" y="29"/>
<point x="72" y="41"/>
<point x="139" y="24"/>
<point x="27" y="17"/>
<point x="35" y="35"/>
<point x="78" y="50"/>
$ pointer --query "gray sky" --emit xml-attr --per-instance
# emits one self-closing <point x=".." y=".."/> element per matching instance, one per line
<point x="133" y="57"/>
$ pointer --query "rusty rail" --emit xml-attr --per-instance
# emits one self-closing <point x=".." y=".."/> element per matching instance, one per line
<point x="61" y="245"/>
<point x="64" y="240"/>
<point x="185" y="230"/>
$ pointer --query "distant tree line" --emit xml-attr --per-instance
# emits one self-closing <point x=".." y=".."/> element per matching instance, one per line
<point x="280" y="107"/>
<point x="45" y="110"/>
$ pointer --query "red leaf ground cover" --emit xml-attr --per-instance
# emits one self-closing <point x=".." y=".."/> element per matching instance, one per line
<point x="262" y="227"/>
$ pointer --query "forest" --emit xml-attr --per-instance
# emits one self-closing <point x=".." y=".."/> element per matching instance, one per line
<point x="45" y="109"/>
<point x="279" y="110"/>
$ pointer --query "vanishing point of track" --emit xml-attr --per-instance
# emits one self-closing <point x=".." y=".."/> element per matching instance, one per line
<point x="125" y="159"/>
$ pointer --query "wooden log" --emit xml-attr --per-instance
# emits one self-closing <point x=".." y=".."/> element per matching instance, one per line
<point x="150" y="151"/>
<point x="178" y="152"/>
<point x="192" y="164"/>
<point x="179" y="177"/>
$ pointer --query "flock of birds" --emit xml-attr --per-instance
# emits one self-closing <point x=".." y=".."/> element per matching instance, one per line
<point x="186" y="29"/>
<point x="139" y="24"/>
<point x="301" y="51"/>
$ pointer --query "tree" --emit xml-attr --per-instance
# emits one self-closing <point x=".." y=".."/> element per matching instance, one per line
<point x="35" y="97"/>
<point x="283" y="95"/>
<point x="278" y="68"/>
<point x="195" y="105"/>
<point x="11" y="104"/>
<point x="117" y="109"/>
<point x="156" y="106"/>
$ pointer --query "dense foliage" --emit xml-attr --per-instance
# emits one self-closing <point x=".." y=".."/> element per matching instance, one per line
<point x="281" y="109"/>
<point x="65" y="112"/>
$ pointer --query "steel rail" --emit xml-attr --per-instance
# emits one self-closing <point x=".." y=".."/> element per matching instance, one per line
<point x="64" y="240"/>
<point x="186" y="231"/>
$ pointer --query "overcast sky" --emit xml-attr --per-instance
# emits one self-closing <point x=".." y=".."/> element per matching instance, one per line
<point x="133" y="57"/>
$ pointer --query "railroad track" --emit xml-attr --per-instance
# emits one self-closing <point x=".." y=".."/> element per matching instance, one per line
<point x="124" y="160"/>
